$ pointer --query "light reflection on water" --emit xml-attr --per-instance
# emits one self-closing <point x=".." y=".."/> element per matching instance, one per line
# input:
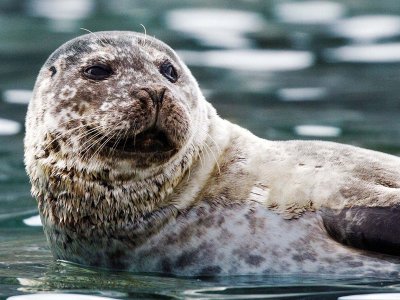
<point x="17" y="96"/>
<point x="9" y="127"/>
<point x="249" y="60"/>
<point x="368" y="28"/>
<point x="216" y="27"/>
<point x="283" y="69"/>
<point x="365" y="53"/>
<point x="309" y="12"/>
<point x="62" y="15"/>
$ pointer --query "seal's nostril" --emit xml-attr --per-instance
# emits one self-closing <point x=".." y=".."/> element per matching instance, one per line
<point x="161" y="95"/>
<point x="157" y="95"/>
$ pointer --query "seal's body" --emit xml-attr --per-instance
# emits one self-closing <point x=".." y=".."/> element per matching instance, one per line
<point x="133" y="169"/>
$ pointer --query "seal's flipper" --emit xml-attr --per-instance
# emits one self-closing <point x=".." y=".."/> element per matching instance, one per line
<point x="370" y="228"/>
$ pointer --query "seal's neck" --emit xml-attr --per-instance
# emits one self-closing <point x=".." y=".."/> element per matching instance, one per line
<point x="208" y="161"/>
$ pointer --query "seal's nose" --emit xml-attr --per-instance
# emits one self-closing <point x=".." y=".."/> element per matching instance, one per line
<point x="157" y="95"/>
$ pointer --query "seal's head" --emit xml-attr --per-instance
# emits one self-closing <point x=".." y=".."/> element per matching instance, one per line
<point x="114" y="102"/>
<point x="115" y="124"/>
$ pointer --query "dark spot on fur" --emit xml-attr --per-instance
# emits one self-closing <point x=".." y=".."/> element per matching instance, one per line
<point x="54" y="146"/>
<point x="68" y="239"/>
<point x="186" y="258"/>
<point x="355" y="264"/>
<point x="201" y="211"/>
<point x="225" y="235"/>
<point x="297" y="258"/>
<point x="166" y="265"/>
<point x="254" y="260"/>
<point x="97" y="260"/>
<point x="221" y="220"/>
<point x="116" y="260"/>
<point x="303" y="256"/>
<point x="206" y="221"/>
<point x="106" y="184"/>
<point x="53" y="70"/>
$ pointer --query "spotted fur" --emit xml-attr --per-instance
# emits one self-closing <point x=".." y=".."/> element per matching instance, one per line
<point x="219" y="201"/>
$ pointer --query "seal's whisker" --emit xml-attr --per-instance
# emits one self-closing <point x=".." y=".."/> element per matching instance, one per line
<point x="126" y="135"/>
<point x="145" y="35"/>
<point x="94" y="133"/>
<point x="97" y="37"/>
<point x="191" y="146"/>
<point x="88" y="132"/>
<point x="73" y="128"/>
<point x="211" y="139"/>
<point x="105" y="143"/>
<point x="101" y="147"/>
<point x="82" y="134"/>
<point x="92" y="143"/>
<point x="60" y="135"/>
<point x="91" y="138"/>
<point x="117" y="140"/>
<point x="201" y="157"/>
<point x="215" y="143"/>
<point x="213" y="155"/>
<point x="188" y="177"/>
<point x="119" y="136"/>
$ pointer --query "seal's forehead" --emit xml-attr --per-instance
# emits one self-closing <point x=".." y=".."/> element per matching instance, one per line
<point x="76" y="48"/>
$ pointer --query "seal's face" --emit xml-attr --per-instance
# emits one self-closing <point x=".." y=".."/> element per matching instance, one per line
<point x="121" y="97"/>
<point x="115" y="123"/>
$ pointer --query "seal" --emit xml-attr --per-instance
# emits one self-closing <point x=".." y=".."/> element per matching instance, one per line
<point x="133" y="169"/>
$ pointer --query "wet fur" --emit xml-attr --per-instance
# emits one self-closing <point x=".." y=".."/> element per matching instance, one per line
<point x="221" y="202"/>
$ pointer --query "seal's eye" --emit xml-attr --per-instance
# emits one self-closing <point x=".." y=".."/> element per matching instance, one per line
<point x="168" y="71"/>
<point x="98" y="72"/>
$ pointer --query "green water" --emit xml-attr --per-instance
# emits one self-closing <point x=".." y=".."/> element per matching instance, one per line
<point x="340" y="82"/>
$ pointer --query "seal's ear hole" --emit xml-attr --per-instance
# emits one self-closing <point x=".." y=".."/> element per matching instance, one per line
<point x="53" y="70"/>
<point x="169" y="71"/>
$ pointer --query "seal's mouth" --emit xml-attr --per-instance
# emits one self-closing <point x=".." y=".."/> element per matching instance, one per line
<point x="148" y="141"/>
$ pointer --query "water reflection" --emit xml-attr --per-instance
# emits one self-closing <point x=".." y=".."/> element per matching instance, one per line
<point x="9" y="127"/>
<point x="250" y="60"/>
<point x="17" y="96"/>
<point x="63" y="15"/>
<point x="33" y="221"/>
<point x="302" y="93"/>
<point x="309" y="12"/>
<point x="368" y="28"/>
<point x="369" y="53"/>
<point x="216" y="27"/>
<point x="317" y="130"/>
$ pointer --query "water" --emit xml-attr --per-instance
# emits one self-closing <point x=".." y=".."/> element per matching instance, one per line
<point x="285" y="70"/>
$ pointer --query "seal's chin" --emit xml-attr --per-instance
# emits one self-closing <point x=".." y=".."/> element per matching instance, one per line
<point x="148" y="141"/>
